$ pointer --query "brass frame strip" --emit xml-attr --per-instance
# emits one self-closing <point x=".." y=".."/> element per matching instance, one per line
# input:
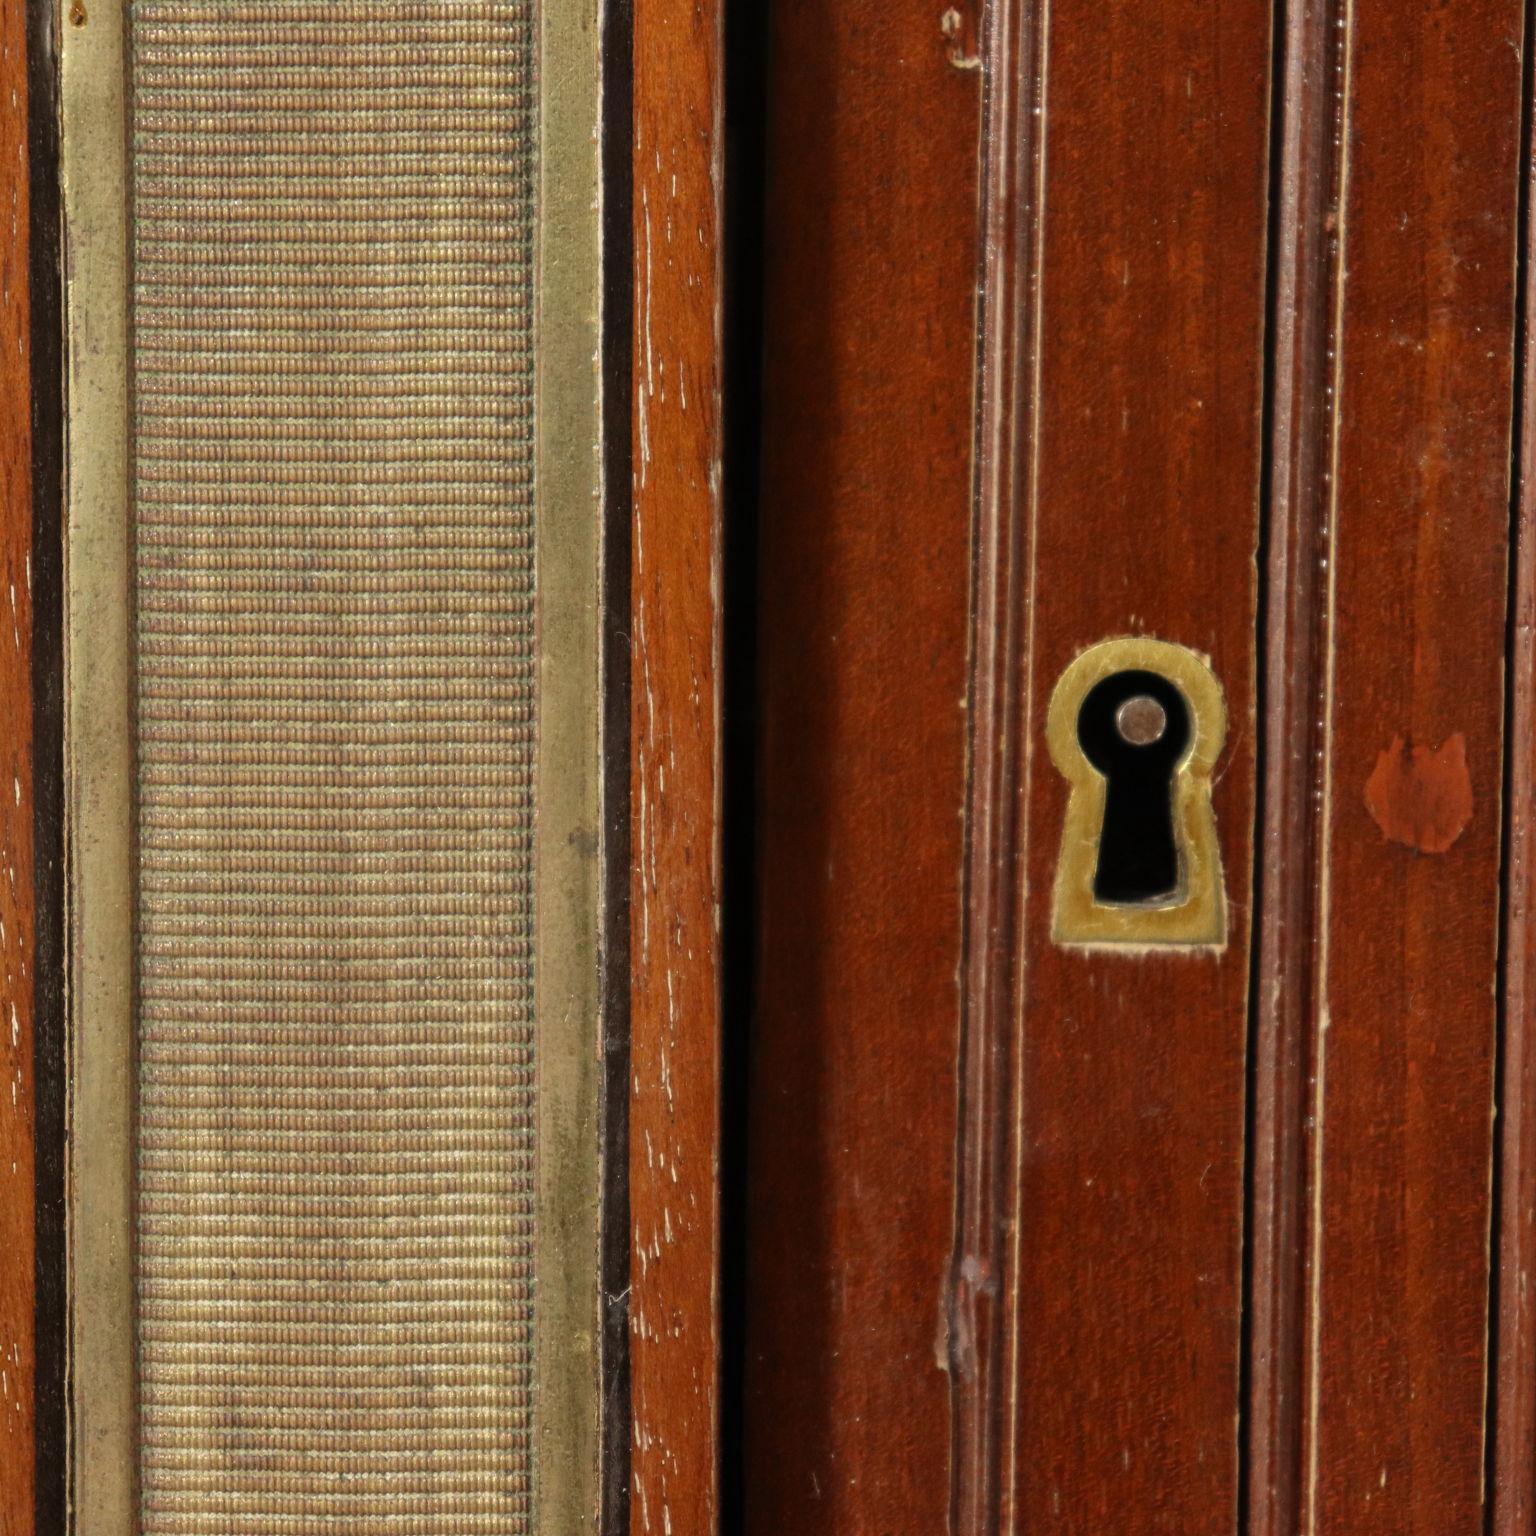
<point x="103" y="1429"/>
<point x="98" y="766"/>
<point x="569" y="821"/>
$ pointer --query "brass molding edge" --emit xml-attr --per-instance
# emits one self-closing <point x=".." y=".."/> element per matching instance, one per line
<point x="98" y="768"/>
<point x="568" y="821"/>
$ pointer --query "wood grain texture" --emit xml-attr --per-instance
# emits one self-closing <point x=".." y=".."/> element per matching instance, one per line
<point x="1401" y="1098"/>
<point x="1126" y="380"/>
<point x="979" y="1320"/>
<point x="1514" y="1387"/>
<point x="17" y="902"/>
<point x="675" y="766"/>
<point x="870" y="268"/>
<point x="1304" y="272"/>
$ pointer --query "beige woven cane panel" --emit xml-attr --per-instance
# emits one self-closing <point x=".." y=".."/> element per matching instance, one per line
<point x="332" y="384"/>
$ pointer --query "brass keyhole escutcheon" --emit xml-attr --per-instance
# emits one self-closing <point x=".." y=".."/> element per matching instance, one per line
<point x="1135" y="726"/>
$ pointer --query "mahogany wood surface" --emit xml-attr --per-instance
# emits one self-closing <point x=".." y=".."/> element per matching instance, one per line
<point x="17" y="904"/>
<point x="1303" y="274"/>
<point x="1412" y="710"/>
<point x="1121" y="461"/>
<point x="1180" y="381"/>
<point x="870" y="267"/>
<point x="674" y="1304"/>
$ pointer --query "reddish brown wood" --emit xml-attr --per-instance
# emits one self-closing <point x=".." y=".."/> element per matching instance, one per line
<point x="1012" y="170"/>
<point x="1514" y="1394"/>
<point x="1401" y="1102"/>
<point x="870" y="272"/>
<point x="17" y="905"/>
<point x="1094" y="1328"/>
<point x="675" y="765"/>
<point x="1304" y="272"/>
<point x="1120" y="495"/>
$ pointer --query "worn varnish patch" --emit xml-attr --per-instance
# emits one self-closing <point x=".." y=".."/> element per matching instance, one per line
<point x="675" y="964"/>
<point x="1421" y="796"/>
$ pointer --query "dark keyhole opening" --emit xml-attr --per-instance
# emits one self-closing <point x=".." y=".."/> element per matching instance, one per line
<point x="1134" y="727"/>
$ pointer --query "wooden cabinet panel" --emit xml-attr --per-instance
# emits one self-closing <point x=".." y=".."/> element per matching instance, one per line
<point x="1222" y="1218"/>
<point x="870" y="266"/>
<point x="1124" y="332"/>
<point x="1412" y="708"/>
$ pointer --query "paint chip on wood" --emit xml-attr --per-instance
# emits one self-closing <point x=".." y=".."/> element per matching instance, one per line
<point x="1419" y="796"/>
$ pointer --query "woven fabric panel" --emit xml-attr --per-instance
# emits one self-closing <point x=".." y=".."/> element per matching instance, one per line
<point x="332" y="498"/>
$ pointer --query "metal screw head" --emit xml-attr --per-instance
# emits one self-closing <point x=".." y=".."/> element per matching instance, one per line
<point x="1141" y="720"/>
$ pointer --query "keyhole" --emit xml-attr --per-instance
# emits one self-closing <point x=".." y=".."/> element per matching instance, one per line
<point x="1134" y="728"/>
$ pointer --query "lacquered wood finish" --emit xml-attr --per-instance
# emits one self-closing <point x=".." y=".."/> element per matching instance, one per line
<point x="1121" y="460"/>
<point x="675" y="791"/>
<point x="1303" y="270"/>
<point x="17" y="903"/>
<point x="1401" y="1102"/>
<point x="871" y="246"/>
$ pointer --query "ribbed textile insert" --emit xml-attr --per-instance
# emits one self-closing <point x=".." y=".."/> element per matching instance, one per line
<point x="332" y="501"/>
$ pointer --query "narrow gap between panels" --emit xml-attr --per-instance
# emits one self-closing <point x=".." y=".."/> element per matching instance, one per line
<point x="746" y="51"/>
<point x="1505" y="1156"/>
<point x="1282" y="20"/>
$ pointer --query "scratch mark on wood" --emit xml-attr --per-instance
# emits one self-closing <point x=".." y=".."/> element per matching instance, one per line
<point x="960" y="29"/>
<point x="675" y="783"/>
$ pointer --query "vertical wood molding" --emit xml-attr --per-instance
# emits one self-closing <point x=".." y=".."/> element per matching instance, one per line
<point x="676" y="766"/>
<point x="1304" y="271"/>
<point x="18" y="929"/>
<point x="983" y="1366"/>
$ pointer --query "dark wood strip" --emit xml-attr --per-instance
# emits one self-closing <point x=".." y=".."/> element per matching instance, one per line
<point x="617" y="332"/>
<point x="18" y="947"/>
<point x="870" y="264"/>
<point x="47" y="716"/>
<point x="1402" y="1091"/>
<point x="675" y="1043"/>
